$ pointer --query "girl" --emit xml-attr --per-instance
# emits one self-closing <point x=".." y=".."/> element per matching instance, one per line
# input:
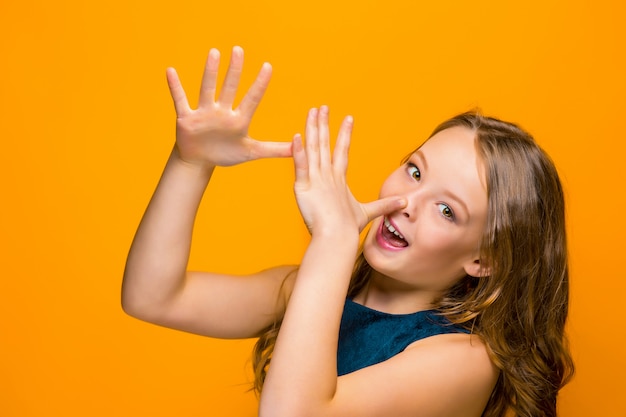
<point x="455" y="305"/>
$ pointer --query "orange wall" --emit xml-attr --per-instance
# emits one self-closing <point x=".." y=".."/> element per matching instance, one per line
<point x="86" y="125"/>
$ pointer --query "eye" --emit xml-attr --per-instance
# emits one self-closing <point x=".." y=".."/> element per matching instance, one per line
<point x="446" y="211"/>
<point x="414" y="171"/>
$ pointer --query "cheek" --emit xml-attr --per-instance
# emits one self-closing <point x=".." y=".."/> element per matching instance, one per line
<point x="384" y="192"/>
<point x="444" y="243"/>
<point x="373" y="226"/>
<point x="391" y="186"/>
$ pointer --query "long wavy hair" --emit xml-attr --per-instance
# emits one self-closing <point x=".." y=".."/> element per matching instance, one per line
<point x="519" y="307"/>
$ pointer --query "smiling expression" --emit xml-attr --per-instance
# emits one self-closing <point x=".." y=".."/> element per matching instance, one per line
<point x="435" y="239"/>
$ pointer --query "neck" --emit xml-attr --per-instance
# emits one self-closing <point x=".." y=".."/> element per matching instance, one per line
<point x="394" y="297"/>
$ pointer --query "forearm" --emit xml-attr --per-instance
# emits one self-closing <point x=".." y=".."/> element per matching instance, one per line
<point x="158" y="257"/>
<point x="302" y="379"/>
<point x="303" y="376"/>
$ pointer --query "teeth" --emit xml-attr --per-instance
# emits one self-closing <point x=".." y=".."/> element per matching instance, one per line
<point x="392" y="229"/>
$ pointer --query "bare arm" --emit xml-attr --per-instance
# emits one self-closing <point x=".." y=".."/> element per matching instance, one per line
<point x="156" y="286"/>
<point x="447" y="375"/>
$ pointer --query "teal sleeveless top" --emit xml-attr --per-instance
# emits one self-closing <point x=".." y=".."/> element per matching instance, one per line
<point x="368" y="337"/>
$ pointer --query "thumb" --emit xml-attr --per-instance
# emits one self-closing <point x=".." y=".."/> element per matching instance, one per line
<point x="260" y="149"/>
<point x="381" y="207"/>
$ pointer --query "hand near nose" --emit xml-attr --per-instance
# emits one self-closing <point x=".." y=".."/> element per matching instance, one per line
<point x="215" y="134"/>
<point x="325" y="201"/>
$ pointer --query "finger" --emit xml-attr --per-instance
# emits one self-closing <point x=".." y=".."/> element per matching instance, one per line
<point x="312" y="140"/>
<point x="323" y="136"/>
<point x="209" y="79"/>
<point x="260" y="149"/>
<point x="342" y="147"/>
<point x="381" y="207"/>
<point x="231" y="82"/>
<point x="177" y="92"/>
<point x="299" y="160"/>
<point x="253" y="97"/>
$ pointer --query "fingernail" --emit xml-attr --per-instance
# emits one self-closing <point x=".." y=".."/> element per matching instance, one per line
<point x="399" y="203"/>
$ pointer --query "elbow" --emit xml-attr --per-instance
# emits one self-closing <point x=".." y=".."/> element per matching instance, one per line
<point x="141" y="311"/>
<point x="141" y="304"/>
<point x="146" y="302"/>
<point x="132" y="307"/>
<point x="136" y="305"/>
<point x="286" y="408"/>
<point x="285" y="413"/>
<point x="135" y="297"/>
<point x="128" y="308"/>
<point x="130" y="299"/>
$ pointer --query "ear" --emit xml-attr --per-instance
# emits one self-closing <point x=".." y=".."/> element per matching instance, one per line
<point x="476" y="268"/>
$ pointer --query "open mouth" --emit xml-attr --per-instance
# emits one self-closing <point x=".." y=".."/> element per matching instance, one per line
<point x="391" y="235"/>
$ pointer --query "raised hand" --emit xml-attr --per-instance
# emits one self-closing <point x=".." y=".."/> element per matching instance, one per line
<point x="325" y="201"/>
<point x="215" y="134"/>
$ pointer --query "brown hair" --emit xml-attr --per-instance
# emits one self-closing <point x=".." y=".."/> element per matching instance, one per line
<point x="519" y="307"/>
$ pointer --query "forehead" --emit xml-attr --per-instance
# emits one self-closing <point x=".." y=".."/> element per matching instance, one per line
<point x="452" y="155"/>
<point x="456" y="139"/>
<point x="455" y="145"/>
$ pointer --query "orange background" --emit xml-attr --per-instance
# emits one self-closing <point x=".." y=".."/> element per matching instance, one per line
<point x="87" y="124"/>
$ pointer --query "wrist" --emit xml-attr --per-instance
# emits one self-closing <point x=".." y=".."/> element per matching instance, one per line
<point x="202" y="169"/>
<point x="337" y="230"/>
<point x="343" y="239"/>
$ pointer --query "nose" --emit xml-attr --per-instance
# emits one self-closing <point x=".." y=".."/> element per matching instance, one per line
<point x="414" y="197"/>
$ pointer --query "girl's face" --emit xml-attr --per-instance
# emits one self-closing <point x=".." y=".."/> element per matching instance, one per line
<point x="435" y="239"/>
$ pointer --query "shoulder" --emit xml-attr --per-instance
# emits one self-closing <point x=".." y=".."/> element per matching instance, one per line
<point x="458" y="366"/>
<point x="443" y="375"/>
<point x="467" y="352"/>
<point x="456" y="344"/>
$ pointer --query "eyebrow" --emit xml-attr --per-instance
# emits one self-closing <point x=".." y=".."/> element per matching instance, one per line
<point x="422" y="158"/>
<point x="448" y="193"/>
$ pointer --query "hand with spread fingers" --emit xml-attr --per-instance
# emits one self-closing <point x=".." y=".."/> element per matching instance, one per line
<point x="325" y="200"/>
<point x="396" y="324"/>
<point x="216" y="134"/>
